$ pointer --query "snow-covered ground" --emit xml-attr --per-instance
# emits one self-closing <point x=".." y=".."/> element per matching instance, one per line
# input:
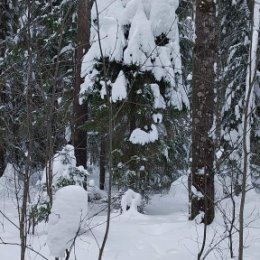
<point x="163" y="232"/>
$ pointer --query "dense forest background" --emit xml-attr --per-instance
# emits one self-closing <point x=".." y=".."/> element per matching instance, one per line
<point x="125" y="97"/>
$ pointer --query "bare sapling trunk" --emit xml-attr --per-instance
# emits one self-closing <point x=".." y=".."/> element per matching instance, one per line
<point x="51" y="107"/>
<point x="102" y="162"/>
<point x="110" y="136"/>
<point x="233" y="217"/>
<point x="23" y="218"/>
<point x="246" y="118"/>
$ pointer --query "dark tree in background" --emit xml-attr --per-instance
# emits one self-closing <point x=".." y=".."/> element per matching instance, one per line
<point x="202" y="176"/>
<point x="81" y="111"/>
<point x="3" y="32"/>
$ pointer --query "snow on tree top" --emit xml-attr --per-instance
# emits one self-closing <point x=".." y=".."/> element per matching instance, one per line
<point x="163" y="18"/>
<point x="141" y="40"/>
<point x="140" y="32"/>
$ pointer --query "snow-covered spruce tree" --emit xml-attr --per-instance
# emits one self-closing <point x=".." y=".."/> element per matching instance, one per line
<point x="140" y="43"/>
<point x="233" y="56"/>
<point x="233" y="36"/>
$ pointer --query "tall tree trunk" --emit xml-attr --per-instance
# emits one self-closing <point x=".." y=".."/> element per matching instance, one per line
<point x="102" y="162"/>
<point x="3" y="28"/>
<point x="202" y="176"/>
<point x="80" y="111"/>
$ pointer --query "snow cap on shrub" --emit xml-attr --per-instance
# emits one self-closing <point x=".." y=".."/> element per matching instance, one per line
<point x="68" y="213"/>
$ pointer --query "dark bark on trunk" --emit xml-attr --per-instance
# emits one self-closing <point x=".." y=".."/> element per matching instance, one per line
<point x="102" y="163"/>
<point x="133" y="183"/>
<point x="2" y="160"/>
<point x="250" y="4"/>
<point x="202" y="176"/>
<point x="80" y="111"/>
<point x="3" y="28"/>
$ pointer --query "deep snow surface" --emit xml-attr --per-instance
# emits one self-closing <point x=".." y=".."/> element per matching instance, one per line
<point x="163" y="233"/>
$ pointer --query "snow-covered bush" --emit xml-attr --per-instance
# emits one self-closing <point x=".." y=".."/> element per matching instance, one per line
<point x="67" y="218"/>
<point x="65" y="172"/>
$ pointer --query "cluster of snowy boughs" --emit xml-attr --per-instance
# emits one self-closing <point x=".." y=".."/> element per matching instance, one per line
<point x="130" y="34"/>
<point x="49" y="49"/>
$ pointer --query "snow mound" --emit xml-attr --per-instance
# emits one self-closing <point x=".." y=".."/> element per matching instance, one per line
<point x="94" y="193"/>
<point x="176" y="199"/>
<point x="7" y="181"/>
<point x="130" y="201"/>
<point x="68" y="213"/>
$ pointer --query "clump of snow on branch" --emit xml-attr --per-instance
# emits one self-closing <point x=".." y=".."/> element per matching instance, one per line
<point x="157" y="118"/>
<point x="130" y="201"/>
<point x="119" y="87"/>
<point x="162" y="17"/>
<point x="68" y="213"/>
<point x="139" y="136"/>
<point x="141" y="40"/>
<point x="158" y="98"/>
